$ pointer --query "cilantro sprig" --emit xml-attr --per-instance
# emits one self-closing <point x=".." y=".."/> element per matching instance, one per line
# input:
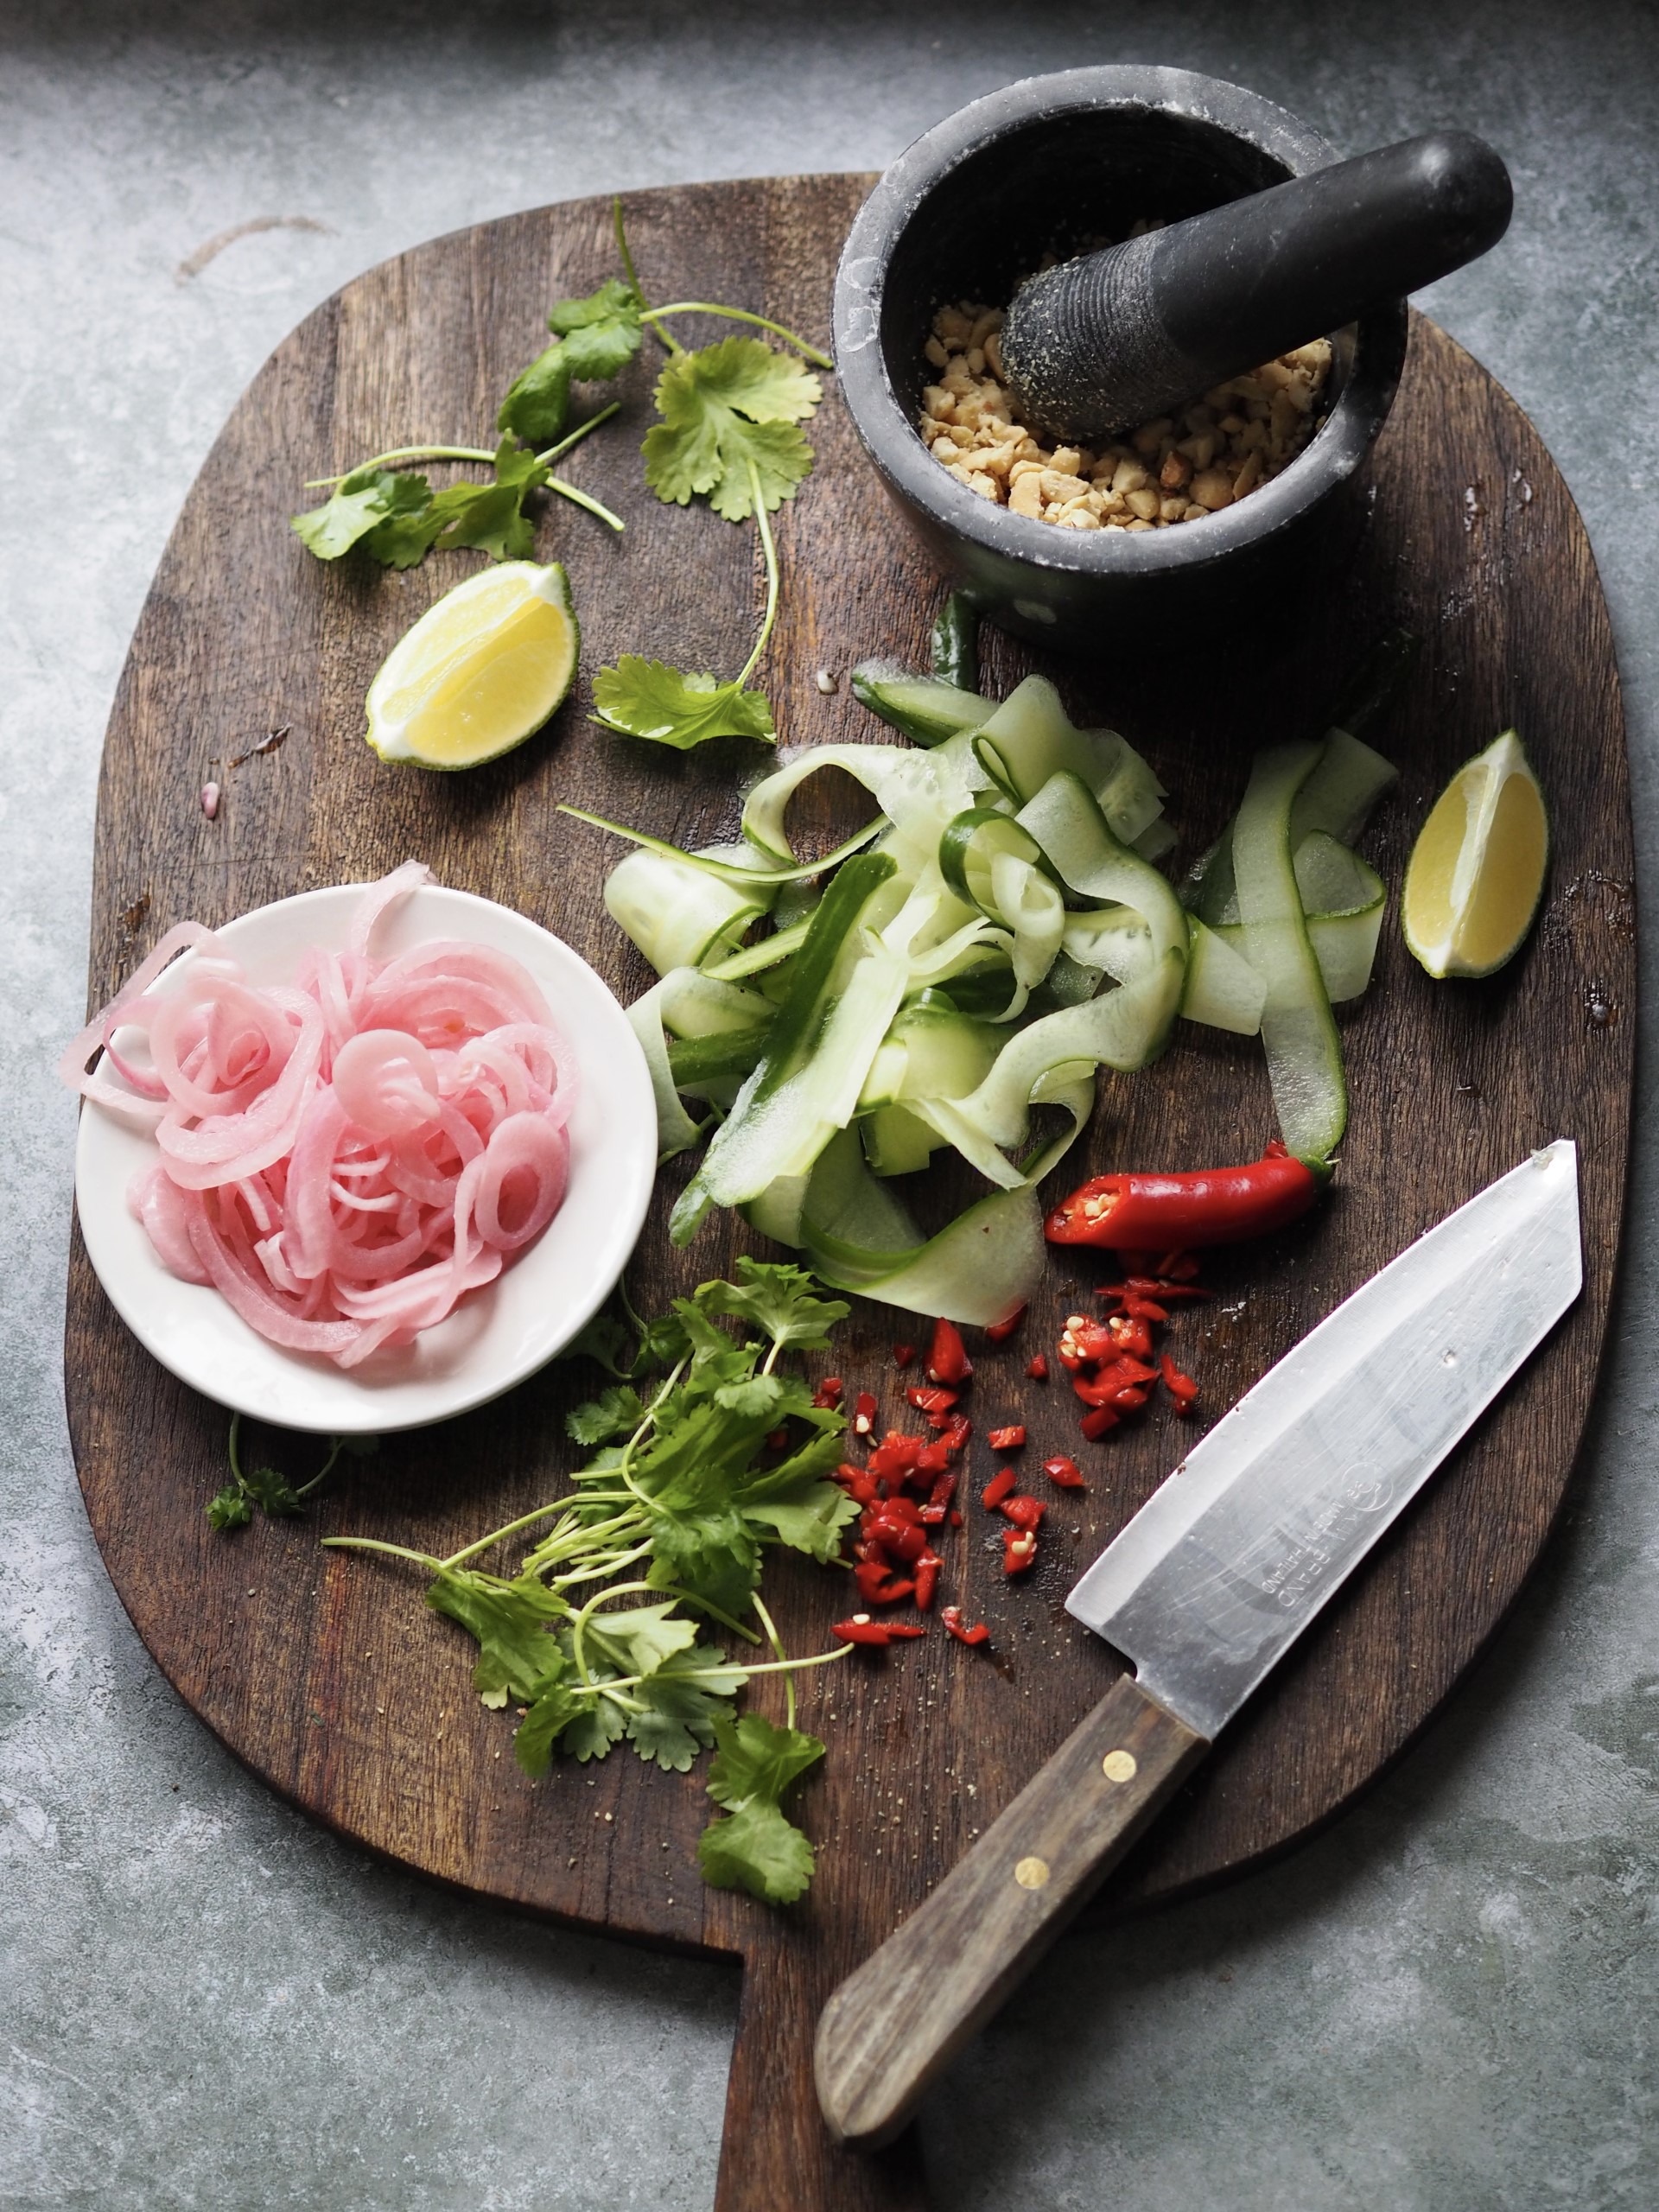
<point x="729" y="432"/>
<point x="602" y="1634"/>
<point x="271" y="1492"/>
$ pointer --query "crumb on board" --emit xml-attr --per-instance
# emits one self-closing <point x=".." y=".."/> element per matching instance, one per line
<point x="1175" y="469"/>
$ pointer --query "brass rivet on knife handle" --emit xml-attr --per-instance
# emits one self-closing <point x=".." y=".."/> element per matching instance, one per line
<point x="892" y="2026"/>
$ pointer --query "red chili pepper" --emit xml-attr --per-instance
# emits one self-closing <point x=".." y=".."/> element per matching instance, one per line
<point x="1144" y="1287"/>
<point x="932" y="1459"/>
<point x="827" y="1392"/>
<point x="1018" y="1550"/>
<point x="1000" y="1331"/>
<point x="903" y="1354"/>
<point x="927" y="1578"/>
<point x="1008" y="1440"/>
<point x="874" y="1587"/>
<point x="896" y="1455"/>
<point x="947" y="1359"/>
<point x="857" y="1485"/>
<point x="944" y="1489"/>
<point x="958" y="1430"/>
<point x="1038" y="1368"/>
<point x="952" y="1616"/>
<point x="864" y="1414"/>
<point x="860" y="1629"/>
<point x="777" y="1439"/>
<point x="1180" y="1387"/>
<point x="1106" y="1387"/>
<point x="955" y="1517"/>
<point x="1130" y="1398"/>
<point x="1002" y="1485"/>
<point x="1068" y="1350"/>
<point x="1063" y="1472"/>
<point x="1145" y="1309"/>
<point x="1130" y="1333"/>
<point x="1024" y="1512"/>
<point x="933" y="1516"/>
<point x="1216" y="1205"/>
<point x="1095" y="1425"/>
<point x="931" y="1401"/>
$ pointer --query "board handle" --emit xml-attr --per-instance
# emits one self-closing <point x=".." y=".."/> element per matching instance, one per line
<point x="893" y="2027"/>
<point x="775" y="2153"/>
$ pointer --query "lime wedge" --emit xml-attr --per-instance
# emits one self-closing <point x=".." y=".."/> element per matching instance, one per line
<point x="480" y="671"/>
<point x="1476" y="871"/>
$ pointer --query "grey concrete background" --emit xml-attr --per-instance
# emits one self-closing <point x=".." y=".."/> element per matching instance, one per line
<point x="1448" y="2003"/>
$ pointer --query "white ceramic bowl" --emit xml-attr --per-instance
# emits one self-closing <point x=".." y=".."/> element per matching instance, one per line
<point x="497" y="1336"/>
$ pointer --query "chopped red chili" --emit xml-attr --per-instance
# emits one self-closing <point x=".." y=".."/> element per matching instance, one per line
<point x="1000" y="1331"/>
<point x="931" y="1401"/>
<point x="1063" y="1472"/>
<point x="777" y="1439"/>
<point x="1216" y="1205"/>
<point x="896" y="1454"/>
<point x="1144" y="1287"/>
<point x="1095" y="1425"/>
<point x="1130" y="1333"/>
<point x="955" y="1517"/>
<point x="1018" y="1550"/>
<point x="864" y="1414"/>
<point x="944" y="1489"/>
<point x="1038" y="1368"/>
<point x="947" y="1359"/>
<point x="827" y="1392"/>
<point x="927" y="1579"/>
<point x="1002" y="1485"/>
<point x="958" y="1430"/>
<point x="1024" y="1512"/>
<point x="1008" y="1440"/>
<point x="1180" y="1387"/>
<point x="860" y="1629"/>
<point x="876" y="1589"/>
<point x="903" y="1354"/>
<point x="952" y="1616"/>
<point x="857" y="1484"/>
<point x="933" y="1516"/>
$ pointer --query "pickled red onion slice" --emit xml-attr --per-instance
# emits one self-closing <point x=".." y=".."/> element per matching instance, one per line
<point x="345" y="1158"/>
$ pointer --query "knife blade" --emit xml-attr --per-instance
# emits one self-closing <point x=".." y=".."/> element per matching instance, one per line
<point x="1203" y="1592"/>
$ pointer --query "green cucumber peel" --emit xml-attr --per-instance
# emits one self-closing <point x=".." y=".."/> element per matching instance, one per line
<point x="1298" y="1029"/>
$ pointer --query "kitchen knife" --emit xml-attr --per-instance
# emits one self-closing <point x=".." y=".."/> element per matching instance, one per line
<point x="1205" y="1591"/>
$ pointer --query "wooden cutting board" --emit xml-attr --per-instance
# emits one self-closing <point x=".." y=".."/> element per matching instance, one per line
<point x="323" y="1672"/>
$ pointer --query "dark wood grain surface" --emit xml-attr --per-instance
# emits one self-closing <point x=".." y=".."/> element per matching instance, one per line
<point x="324" y="1673"/>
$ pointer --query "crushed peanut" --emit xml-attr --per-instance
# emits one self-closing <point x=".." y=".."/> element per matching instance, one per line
<point x="1176" y="469"/>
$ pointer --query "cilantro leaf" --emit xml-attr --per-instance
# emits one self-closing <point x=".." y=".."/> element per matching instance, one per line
<point x="603" y="1339"/>
<point x="778" y="1298"/>
<point x="725" y="407"/>
<point x="602" y="332"/>
<point x="546" y="1720"/>
<point x="713" y="1553"/>
<point x="517" y="1657"/>
<point x="680" y="1706"/>
<point x="615" y="1411"/>
<point x="598" y="1725"/>
<point x="271" y="1492"/>
<point x="758" y="1759"/>
<point x="489" y="516"/>
<point x="358" y="505"/>
<point x="538" y="399"/>
<point x="357" y="1447"/>
<point x="639" y="1641"/>
<point x="230" y="1510"/>
<point x="647" y="698"/>
<point x="758" y="1849"/>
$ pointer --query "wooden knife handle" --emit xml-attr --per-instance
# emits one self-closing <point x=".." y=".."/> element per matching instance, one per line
<point x="893" y="2027"/>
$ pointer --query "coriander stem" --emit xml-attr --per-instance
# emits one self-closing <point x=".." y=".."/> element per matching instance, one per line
<point x="763" y="522"/>
<point x="402" y="453"/>
<point x="584" y="499"/>
<point x="485" y="1544"/>
<point x="394" y="1551"/>
<point x="740" y="315"/>
<point x="317" y="1480"/>
<point x="706" y="1674"/>
<point x="574" y="437"/>
<point x="622" y="248"/>
<point x="777" y="1642"/>
<point x="236" y="1458"/>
